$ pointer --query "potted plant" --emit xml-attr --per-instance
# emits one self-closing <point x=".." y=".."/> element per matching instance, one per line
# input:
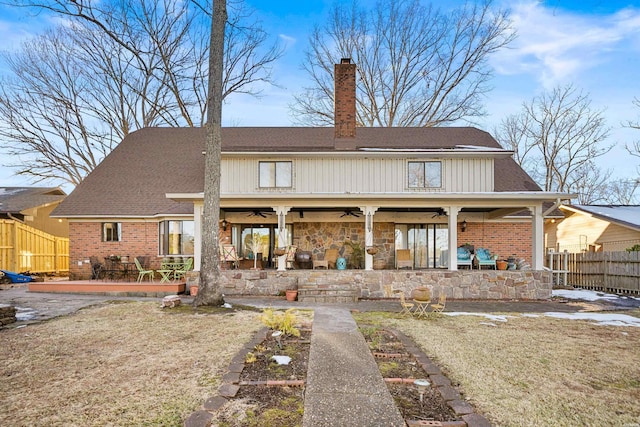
<point x="357" y="254"/>
<point x="292" y="292"/>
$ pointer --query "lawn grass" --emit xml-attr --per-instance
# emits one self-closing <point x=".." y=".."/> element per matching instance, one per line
<point x="118" y="364"/>
<point x="535" y="371"/>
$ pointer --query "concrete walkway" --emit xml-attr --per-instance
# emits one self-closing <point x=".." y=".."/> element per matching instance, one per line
<point x="344" y="384"/>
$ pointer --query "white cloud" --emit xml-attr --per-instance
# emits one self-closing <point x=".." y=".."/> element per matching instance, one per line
<point x="287" y="39"/>
<point x="555" y="45"/>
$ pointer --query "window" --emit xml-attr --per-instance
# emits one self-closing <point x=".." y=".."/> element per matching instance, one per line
<point x="176" y="237"/>
<point x="111" y="231"/>
<point x="275" y="174"/>
<point x="425" y="174"/>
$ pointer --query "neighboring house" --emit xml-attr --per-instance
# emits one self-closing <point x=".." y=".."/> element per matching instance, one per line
<point x="594" y="228"/>
<point x="32" y="206"/>
<point x="30" y="240"/>
<point x="429" y="190"/>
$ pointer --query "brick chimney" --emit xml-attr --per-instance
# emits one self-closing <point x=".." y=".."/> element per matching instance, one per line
<point x="345" y="99"/>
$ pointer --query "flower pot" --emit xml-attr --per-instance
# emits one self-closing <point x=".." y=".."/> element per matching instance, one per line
<point x="501" y="265"/>
<point x="372" y="250"/>
<point x="280" y="251"/>
<point x="193" y="290"/>
<point x="291" y="295"/>
<point x="421" y="294"/>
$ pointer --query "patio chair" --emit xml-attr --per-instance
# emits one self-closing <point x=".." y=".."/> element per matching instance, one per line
<point x="291" y="256"/>
<point x="142" y="273"/>
<point x="329" y="261"/>
<point x="228" y="254"/>
<point x="97" y="268"/>
<point x="465" y="257"/>
<point x="179" y="273"/>
<point x="407" y="307"/>
<point x="485" y="258"/>
<point x="438" y="307"/>
<point x="403" y="259"/>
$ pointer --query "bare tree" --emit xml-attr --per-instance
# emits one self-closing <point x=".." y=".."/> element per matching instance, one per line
<point x="590" y="183"/>
<point x="138" y="63"/>
<point x="417" y="66"/>
<point x="556" y="136"/>
<point x="46" y="115"/>
<point x="622" y="191"/>
<point x="209" y="290"/>
<point x="634" y="148"/>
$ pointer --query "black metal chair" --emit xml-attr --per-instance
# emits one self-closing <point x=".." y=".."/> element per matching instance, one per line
<point x="97" y="268"/>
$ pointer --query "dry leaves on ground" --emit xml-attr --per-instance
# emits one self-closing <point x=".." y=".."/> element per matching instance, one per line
<point x="532" y="371"/>
<point x="118" y="364"/>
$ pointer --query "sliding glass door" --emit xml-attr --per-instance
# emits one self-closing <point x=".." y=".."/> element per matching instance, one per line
<point x="428" y="244"/>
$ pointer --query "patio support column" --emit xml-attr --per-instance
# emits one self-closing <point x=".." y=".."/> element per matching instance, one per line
<point x="368" y="211"/>
<point x="537" y="235"/>
<point x="452" y="213"/>
<point x="197" y="238"/>
<point x="282" y="211"/>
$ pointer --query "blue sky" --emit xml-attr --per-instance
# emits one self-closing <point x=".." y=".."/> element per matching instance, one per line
<point x="593" y="44"/>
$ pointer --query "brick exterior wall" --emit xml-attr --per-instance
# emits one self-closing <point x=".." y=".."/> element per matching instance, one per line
<point x="501" y="238"/>
<point x="141" y="239"/>
<point x="85" y="240"/>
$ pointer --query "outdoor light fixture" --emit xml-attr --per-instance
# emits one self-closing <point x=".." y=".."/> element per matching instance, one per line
<point x="422" y="385"/>
<point x="278" y="336"/>
<point x="224" y="225"/>
<point x="464" y="226"/>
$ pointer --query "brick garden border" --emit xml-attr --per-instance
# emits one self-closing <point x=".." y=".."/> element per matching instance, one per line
<point x="231" y="385"/>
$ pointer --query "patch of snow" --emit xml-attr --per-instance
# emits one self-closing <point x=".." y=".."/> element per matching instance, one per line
<point x="582" y="294"/>
<point x="281" y="360"/>
<point x="488" y="323"/>
<point x="605" y="319"/>
<point x="494" y="317"/>
<point x="226" y="305"/>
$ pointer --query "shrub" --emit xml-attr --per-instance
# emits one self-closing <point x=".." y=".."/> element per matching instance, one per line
<point x="279" y="321"/>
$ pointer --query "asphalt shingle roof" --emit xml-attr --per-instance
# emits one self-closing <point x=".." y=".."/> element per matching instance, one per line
<point x="14" y="200"/>
<point x="148" y="163"/>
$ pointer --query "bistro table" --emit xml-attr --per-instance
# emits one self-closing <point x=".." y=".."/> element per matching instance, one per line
<point x="168" y="269"/>
<point x="421" y="308"/>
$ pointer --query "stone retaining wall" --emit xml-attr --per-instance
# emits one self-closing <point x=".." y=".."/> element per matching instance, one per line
<point x="7" y="314"/>
<point x="462" y="284"/>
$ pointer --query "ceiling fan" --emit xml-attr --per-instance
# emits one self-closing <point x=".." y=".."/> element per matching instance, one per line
<point x="349" y="212"/>
<point x="259" y="213"/>
<point x="440" y="212"/>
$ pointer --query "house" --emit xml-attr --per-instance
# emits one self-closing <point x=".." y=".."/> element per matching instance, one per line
<point x="594" y="228"/>
<point x="428" y="190"/>
<point x="32" y="206"/>
<point x="30" y="239"/>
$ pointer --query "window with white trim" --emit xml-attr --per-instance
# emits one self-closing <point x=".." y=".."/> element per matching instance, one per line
<point x="275" y="174"/>
<point x="111" y="231"/>
<point x="425" y="174"/>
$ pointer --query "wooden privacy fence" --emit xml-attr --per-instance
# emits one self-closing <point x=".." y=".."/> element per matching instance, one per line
<point x="24" y="248"/>
<point x="617" y="272"/>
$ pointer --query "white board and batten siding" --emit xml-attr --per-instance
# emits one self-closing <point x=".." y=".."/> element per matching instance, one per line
<point x="356" y="175"/>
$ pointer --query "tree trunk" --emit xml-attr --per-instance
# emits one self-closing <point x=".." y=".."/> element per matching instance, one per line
<point x="209" y="292"/>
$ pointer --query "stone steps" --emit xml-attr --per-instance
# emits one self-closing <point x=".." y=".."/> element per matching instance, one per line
<point x="331" y="293"/>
